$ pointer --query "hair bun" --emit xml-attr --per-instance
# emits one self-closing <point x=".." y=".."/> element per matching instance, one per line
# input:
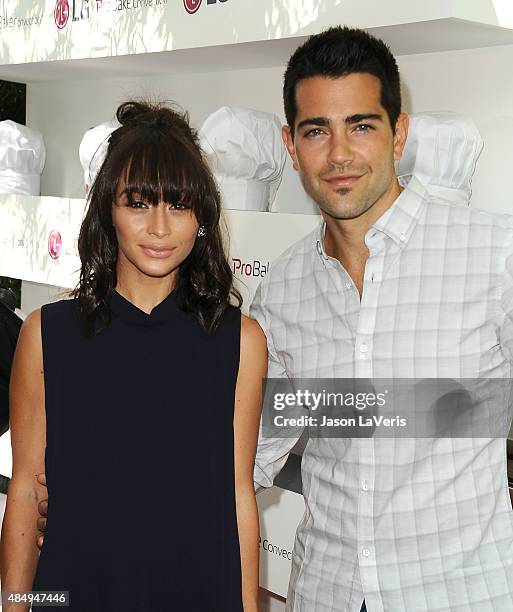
<point x="136" y="113"/>
<point x="133" y="112"/>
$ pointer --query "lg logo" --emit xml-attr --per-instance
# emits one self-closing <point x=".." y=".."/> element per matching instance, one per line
<point x="61" y="13"/>
<point x="191" y="6"/>
<point x="54" y="244"/>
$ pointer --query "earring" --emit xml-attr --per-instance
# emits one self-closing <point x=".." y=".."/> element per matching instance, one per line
<point x="202" y="231"/>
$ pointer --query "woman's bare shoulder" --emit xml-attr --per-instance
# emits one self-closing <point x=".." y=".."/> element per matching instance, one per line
<point x="251" y="331"/>
<point x="253" y="346"/>
<point x="29" y="346"/>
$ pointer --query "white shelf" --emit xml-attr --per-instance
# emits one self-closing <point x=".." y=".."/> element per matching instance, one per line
<point x="405" y="39"/>
<point x="236" y="34"/>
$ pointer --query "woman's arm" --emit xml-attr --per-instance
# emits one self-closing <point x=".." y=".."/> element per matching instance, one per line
<point x="18" y="550"/>
<point x="246" y="422"/>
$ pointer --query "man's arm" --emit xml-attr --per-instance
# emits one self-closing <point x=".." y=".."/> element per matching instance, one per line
<point x="272" y="452"/>
<point x="42" y="508"/>
<point x="506" y="329"/>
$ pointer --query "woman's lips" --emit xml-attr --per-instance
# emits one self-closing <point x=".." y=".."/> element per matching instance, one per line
<point x="159" y="254"/>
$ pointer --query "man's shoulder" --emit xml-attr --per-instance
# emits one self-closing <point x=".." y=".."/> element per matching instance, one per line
<point x="288" y="275"/>
<point x="296" y="259"/>
<point x="457" y="216"/>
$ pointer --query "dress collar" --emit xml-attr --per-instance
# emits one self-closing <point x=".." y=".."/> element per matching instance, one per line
<point x="122" y="308"/>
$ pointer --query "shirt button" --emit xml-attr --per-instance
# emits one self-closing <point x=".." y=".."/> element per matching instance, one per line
<point x="365" y="485"/>
<point x="365" y="552"/>
<point x="363" y="348"/>
<point x="348" y="285"/>
<point x="402" y="237"/>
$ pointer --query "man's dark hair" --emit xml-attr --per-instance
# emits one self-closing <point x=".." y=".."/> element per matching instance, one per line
<point x="338" y="52"/>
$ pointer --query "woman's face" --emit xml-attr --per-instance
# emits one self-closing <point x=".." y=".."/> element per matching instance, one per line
<point x="154" y="240"/>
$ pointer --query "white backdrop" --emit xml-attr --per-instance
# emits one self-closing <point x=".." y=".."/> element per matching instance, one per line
<point x="475" y="82"/>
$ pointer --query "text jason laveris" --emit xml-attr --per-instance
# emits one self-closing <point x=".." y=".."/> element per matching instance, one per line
<point x="361" y="421"/>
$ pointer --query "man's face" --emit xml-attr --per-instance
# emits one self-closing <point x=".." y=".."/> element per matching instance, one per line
<point x="344" y="146"/>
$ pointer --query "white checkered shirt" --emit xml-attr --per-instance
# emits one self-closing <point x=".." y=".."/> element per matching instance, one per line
<point x="411" y="525"/>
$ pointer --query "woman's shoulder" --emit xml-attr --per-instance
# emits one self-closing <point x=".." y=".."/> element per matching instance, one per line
<point x="64" y="303"/>
<point x="31" y="325"/>
<point x="253" y="347"/>
<point x="251" y="332"/>
<point x="59" y="307"/>
<point x="60" y="317"/>
<point x="249" y="328"/>
<point x="29" y="338"/>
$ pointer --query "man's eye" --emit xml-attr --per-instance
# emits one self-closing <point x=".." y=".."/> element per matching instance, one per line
<point x="364" y="127"/>
<point x="313" y="133"/>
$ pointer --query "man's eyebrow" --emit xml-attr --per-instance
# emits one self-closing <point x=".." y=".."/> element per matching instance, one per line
<point x="320" y="121"/>
<point x="325" y="122"/>
<point x="363" y="117"/>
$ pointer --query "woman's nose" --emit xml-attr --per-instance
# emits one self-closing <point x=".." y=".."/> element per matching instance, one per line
<point x="160" y="222"/>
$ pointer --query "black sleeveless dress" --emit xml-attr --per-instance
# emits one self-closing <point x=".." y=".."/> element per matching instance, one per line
<point x="139" y="461"/>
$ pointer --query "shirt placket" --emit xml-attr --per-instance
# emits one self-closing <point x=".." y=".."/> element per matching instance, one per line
<point x="363" y="358"/>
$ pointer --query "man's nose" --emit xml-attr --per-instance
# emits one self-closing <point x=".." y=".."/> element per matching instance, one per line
<point x="341" y="152"/>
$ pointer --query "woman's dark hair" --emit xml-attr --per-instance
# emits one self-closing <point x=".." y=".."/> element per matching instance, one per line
<point x="157" y="153"/>
<point x="338" y="52"/>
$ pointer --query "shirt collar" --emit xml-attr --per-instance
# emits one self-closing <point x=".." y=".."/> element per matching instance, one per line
<point x="398" y="222"/>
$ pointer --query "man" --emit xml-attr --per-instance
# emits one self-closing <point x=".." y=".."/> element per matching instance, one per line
<point x="392" y="285"/>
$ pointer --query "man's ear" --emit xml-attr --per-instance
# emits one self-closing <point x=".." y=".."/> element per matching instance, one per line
<point x="289" y="143"/>
<point x="401" y="134"/>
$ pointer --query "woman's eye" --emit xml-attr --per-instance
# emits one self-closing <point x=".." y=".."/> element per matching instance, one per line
<point x="178" y="206"/>
<point x="141" y="205"/>
<point x="136" y="204"/>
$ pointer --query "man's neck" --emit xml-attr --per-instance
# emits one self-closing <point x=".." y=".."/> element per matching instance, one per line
<point x="345" y="238"/>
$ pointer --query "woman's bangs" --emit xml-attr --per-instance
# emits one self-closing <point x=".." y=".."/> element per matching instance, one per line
<point x="165" y="173"/>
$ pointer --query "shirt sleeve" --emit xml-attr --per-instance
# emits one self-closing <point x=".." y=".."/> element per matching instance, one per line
<point x="272" y="452"/>
<point x="506" y="329"/>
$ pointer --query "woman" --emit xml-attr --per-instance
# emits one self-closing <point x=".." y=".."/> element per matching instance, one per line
<point x="148" y="401"/>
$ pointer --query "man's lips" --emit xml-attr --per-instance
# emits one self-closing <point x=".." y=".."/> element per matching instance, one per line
<point x="343" y="180"/>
